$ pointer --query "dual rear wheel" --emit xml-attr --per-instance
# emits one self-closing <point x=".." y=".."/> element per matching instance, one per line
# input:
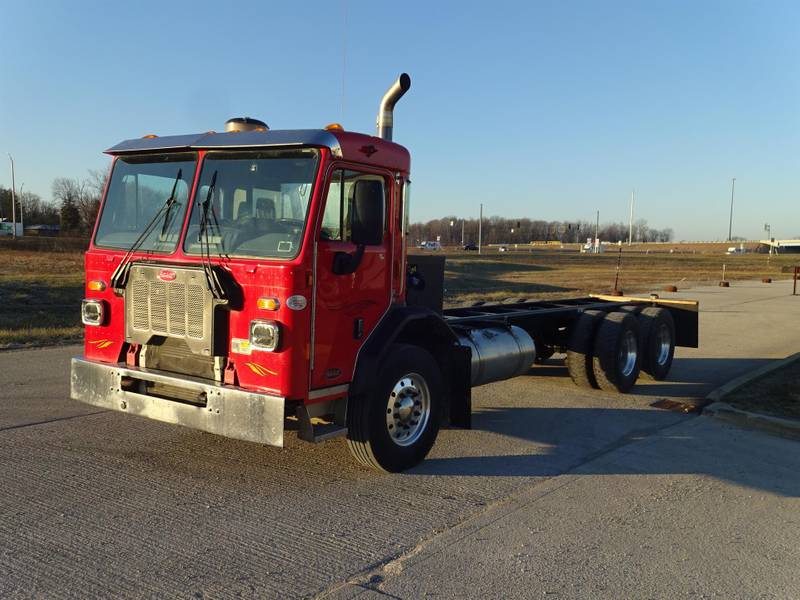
<point x="609" y="350"/>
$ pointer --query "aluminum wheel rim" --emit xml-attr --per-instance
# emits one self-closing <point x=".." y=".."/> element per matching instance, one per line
<point x="627" y="353"/>
<point x="408" y="409"/>
<point x="663" y="344"/>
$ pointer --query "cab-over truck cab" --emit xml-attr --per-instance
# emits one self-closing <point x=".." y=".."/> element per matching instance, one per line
<point x="234" y="280"/>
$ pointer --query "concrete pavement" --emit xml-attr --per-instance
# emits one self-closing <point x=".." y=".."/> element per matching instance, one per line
<point x="105" y="504"/>
<point x="696" y="510"/>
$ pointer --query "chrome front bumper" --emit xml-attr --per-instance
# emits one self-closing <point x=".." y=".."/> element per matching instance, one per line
<point x="229" y="411"/>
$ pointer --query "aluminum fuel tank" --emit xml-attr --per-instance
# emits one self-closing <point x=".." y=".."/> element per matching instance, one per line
<point x="498" y="352"/>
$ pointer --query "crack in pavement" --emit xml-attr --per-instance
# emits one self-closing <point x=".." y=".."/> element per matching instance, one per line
<point x="22" y="425"/>
<point x="394" y="565"/>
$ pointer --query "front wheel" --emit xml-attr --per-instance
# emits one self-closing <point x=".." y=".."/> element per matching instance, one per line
<point x="394" y="426"/>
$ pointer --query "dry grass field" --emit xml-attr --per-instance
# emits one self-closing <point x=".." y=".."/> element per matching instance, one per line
<point x="40" y="291"/>
<point x="776" y="394"/>
<point x="40" y="296"/>
<point x="557" y="273"/>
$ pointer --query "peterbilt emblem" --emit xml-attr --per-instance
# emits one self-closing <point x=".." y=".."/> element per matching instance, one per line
<point x="166" y="275"/>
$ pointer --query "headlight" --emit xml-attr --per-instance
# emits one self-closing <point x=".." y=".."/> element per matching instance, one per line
<point x="265" y="335"/>
<point x="92" y="312"/>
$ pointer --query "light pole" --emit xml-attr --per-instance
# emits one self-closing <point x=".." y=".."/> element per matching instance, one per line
<point x="13" y="199"/>
<point x="630" y="222"/>
<point x="730" y="223"/>
<point x="480" y="230"/>
<point x="21" y="215"/>
<point x="768" y="229"/>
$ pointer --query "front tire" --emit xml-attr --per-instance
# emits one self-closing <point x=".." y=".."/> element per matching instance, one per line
<point x="393" y="427"/>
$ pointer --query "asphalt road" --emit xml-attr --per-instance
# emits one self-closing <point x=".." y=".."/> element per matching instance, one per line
<point x="101" y="504"/>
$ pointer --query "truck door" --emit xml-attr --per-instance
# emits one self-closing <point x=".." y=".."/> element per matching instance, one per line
<point x="348" y="305"/>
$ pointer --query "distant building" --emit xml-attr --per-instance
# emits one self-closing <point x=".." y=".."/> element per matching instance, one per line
<point x="7" y="228"/>
<point x="779" y="246"/>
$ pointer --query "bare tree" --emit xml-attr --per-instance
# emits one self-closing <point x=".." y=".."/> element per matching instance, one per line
<point x="83" y="194"/>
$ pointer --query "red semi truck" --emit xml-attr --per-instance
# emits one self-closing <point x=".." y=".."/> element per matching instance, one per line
<point x="254" y="281"/>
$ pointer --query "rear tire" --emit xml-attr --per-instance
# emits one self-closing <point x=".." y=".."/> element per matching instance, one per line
<point x="579" y="349"/>
<point x="393" y="427"/>
<point x="658" y="335"/>
<point x="616" y="359"/>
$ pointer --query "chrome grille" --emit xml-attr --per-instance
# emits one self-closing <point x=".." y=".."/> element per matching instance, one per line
<point x="158" y="307"/>
<point x="176" y="305"/>
<point x="181" y="308"/>
<point x="139" y="309"/>
<point x="195" y="313"/>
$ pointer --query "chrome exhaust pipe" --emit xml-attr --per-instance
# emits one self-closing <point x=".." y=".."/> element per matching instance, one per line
<point x="386" y="110"/>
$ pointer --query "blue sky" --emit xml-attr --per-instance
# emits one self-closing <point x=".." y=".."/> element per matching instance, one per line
<point x="547" y="110"/>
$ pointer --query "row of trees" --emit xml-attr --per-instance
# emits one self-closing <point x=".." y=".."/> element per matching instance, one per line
<point x="34" y="210"/>
<point x="74" y="205"/>
<point x="76" y="201"/>
<point x="499" y="230"/>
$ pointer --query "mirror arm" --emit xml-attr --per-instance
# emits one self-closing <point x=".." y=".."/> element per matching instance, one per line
<point x="345" y="263"/>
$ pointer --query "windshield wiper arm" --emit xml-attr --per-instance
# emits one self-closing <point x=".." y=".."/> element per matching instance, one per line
<point x="205" y="247"/>
<point x="120" y="276"/>
<point x="171" y="201"/>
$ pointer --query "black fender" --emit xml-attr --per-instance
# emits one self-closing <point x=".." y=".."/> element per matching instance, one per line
<point x="427" y="329"/>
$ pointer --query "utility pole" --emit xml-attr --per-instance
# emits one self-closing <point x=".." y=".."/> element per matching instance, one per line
<point x="597" y="234"/>
<point x="462" y="233"/>
<point x="480" y="230"/>
<point x="630" y="223"/>
<point x="21" y="216"/>
<point x="13" y="200"/>
<point x="730" y="223"/>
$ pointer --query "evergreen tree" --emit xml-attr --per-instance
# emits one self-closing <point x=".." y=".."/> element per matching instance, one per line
<point x="70" y="216"/>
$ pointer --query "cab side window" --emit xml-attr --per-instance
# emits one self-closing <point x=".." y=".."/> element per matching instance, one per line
<point x="339" y="201"/>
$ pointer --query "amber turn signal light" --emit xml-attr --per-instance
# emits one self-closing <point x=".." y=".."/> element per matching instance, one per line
<point x="268" y="303"/>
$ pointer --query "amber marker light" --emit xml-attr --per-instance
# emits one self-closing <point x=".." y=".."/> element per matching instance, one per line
<point x="96" y="285"/>
<point x="334" y="127"/>
<point x="149" y="136"/>
<point x="268" y="303"/>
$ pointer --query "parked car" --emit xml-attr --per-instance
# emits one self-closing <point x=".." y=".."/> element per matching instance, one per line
<point x="503" y="249"/>
<point x="470" y="247"/>
<point x="430" y="246"/>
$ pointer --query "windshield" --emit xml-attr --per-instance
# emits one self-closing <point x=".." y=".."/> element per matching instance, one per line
<point x="258" y="203"/>
<point x="140" y="187"/>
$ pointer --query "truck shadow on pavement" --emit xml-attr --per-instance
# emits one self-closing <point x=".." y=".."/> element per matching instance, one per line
<point x="609" y="441"/>
<point x="689" y="378"/>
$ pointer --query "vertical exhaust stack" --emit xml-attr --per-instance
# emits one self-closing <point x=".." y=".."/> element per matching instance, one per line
<point x="386" y="110"/>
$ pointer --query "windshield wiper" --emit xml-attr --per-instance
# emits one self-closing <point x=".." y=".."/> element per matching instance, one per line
<point x="205" y="247"/>
<point x="171" y="201"/>
<point x="120" y="276"/>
